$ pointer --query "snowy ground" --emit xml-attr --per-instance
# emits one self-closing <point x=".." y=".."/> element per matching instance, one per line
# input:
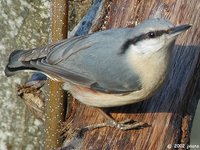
<point x="23" y="24"/>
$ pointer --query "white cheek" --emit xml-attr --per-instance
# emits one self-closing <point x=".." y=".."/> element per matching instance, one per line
<point x="148" y="46"/>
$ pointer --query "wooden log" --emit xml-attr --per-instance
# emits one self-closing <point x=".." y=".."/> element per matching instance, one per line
<point x="55" y="105"/>
<point x="171" y="110"/>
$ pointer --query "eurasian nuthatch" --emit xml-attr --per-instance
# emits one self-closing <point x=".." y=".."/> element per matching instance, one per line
<point x="108" y="68"/>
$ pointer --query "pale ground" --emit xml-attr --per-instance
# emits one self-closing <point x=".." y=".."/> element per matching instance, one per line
<point x="195" y="135"/>
<point x="25" y="24"/>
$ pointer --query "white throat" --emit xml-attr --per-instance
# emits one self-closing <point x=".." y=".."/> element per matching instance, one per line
<point x="148" y="46"/>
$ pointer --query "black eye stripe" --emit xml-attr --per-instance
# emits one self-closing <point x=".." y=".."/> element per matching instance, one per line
<point x="149" y="35"/>
<point x="154" y="34"/>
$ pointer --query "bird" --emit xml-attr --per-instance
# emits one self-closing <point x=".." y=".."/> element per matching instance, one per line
<point x="109" y="68"/>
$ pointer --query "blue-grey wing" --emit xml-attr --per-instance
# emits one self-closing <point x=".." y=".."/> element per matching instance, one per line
<point x="96" y="57"/>
<point x="93" y="61"/>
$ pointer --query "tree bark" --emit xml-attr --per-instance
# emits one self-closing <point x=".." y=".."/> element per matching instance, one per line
<point x="170" y="111"/>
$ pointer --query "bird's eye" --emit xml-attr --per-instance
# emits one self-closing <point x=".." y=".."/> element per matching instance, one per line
<point x="151" y="35"/>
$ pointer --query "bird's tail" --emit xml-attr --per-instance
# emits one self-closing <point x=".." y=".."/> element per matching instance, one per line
<point x="14" y="64"/>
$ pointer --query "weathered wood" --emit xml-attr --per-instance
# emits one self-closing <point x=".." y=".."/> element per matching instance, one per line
<point x="55" y="104"/>
<point x="171" y="110"/>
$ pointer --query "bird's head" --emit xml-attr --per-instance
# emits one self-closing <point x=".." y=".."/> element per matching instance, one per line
<point x="153" y="35"/>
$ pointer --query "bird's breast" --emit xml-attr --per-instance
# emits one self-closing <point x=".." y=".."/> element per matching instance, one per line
<point x="152" y="70"/>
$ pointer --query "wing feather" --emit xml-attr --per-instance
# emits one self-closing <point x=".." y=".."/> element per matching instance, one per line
<point x="59" y="72"/>
<point x="92" y="61"/>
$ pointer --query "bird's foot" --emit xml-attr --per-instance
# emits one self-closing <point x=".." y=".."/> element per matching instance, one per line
<point x="123" y="125"/>
<point x="128" y="124"/>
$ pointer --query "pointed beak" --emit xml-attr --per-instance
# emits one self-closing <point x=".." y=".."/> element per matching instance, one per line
<point x="178" y="29"/>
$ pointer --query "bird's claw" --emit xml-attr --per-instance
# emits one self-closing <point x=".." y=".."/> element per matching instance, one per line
<point x="123" y="125"/>
<point x="128" y="124"/>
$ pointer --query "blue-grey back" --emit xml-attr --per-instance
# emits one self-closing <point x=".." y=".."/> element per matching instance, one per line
<point x="100" y="60"/>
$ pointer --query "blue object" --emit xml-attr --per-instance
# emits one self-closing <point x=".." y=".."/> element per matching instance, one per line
<point x="37" y="76"/>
